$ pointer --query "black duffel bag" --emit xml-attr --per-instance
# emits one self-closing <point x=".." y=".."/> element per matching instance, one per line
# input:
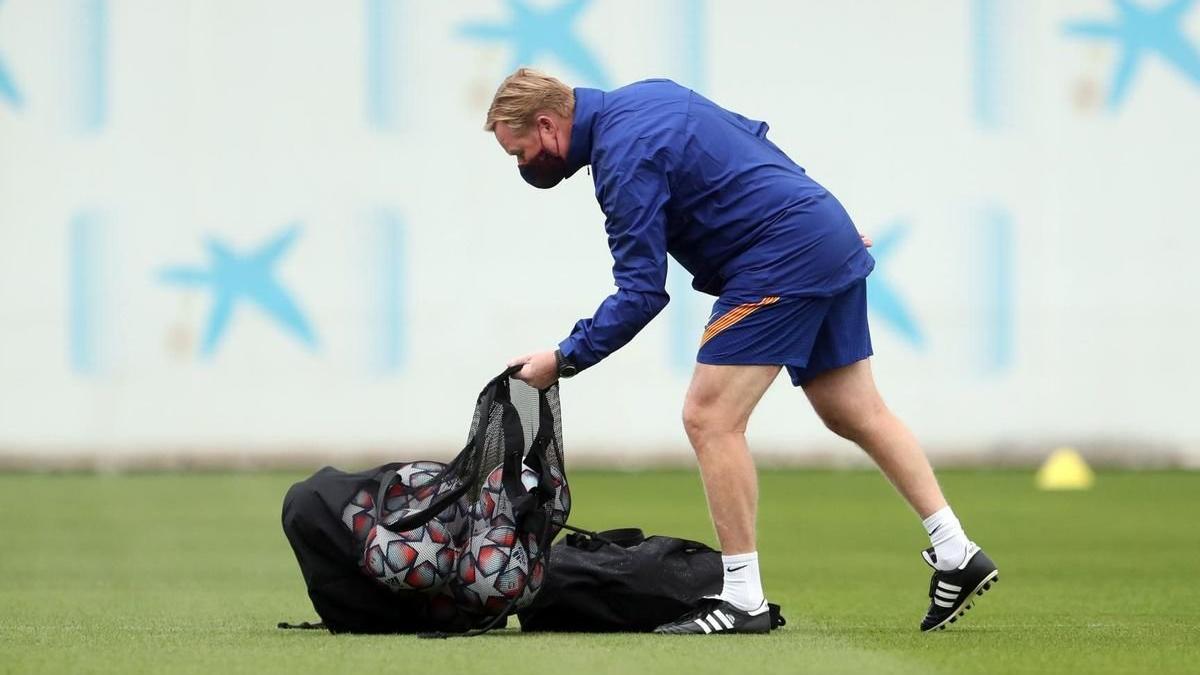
<point x="623" y="581"/>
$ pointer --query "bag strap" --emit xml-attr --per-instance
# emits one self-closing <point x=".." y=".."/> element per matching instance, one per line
<point x="526" y="504"/>
<point x="303" y="625"/>
<point x="626" y="536"/>
<point x="510" y="477"/>
<point x="385" y="482"/>
<point x="536" y="458"/>
<point x="621" y="538"/>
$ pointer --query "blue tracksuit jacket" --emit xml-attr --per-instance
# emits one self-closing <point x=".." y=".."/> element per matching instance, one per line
<point x="677" y="174"/>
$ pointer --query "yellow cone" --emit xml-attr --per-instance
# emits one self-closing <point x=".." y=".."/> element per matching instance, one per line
<point x="1064" y="469"/>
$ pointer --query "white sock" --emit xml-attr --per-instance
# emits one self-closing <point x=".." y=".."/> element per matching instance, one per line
<point x="743" y="586"/>
<point x="948" y="539"/>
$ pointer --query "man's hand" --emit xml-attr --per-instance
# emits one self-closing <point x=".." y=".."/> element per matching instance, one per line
<point x="865" y="239"/>
<point x="540" y="370"/>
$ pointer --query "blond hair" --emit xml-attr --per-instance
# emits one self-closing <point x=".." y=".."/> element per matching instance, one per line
<point x="523" y="95"/>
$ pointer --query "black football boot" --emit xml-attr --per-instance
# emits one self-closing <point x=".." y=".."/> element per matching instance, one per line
<point x="714" y="616"/>
<point x="950" y="591"/>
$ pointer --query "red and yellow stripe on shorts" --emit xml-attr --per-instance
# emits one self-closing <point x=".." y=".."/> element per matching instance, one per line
<point x="730" y="318"/>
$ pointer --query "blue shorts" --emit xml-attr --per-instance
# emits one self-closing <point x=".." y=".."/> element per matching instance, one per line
<point x="807" y="335"/>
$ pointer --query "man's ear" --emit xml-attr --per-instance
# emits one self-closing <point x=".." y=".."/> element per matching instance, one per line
<point x="545" y="123"/>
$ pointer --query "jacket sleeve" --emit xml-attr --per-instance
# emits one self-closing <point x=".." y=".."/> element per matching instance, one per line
<point x="634" y="201"/>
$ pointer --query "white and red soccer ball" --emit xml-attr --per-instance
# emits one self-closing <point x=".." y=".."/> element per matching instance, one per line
<point x="420" y="559"/>
<point x="495" y="565"/>
<point x="359" y="514"/>
<point x="417" y="486"/>
<point x="493" y="505"/>
<point x="493" y="569"/>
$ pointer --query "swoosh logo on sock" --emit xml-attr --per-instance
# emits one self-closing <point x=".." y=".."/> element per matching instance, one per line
<point x="734" y="569"/>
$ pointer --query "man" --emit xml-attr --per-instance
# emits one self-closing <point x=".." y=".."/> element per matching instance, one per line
<point x="676" y="174"/>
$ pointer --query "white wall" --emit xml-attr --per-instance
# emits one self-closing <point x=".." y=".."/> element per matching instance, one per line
<point x="1041" y="238"/>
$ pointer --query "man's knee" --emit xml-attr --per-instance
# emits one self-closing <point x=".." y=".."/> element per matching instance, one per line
<point x="703" y="419"/>
<point x="853" y="422"/>
<point x="695" y="419"/>
<point x="721" y="398"/>
<point x="841" y="423"/>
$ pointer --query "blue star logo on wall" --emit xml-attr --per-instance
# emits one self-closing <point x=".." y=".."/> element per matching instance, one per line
<point x="1140" y="30"/>
<point x="233" y="278"/>
<point x="534" y="32"/>
<point x="8" y="90"/>
<point x="884" y="300"/>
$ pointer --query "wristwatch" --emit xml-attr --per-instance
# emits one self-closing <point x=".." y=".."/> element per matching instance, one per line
<point x="565" y="367"/>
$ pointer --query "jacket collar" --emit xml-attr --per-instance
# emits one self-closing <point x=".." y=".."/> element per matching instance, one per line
<point x="588" y="104"/>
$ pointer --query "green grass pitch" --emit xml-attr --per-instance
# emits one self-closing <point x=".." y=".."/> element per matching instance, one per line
<point x="190" y="573"/>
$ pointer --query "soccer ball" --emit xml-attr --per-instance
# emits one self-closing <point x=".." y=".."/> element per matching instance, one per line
<point x="537" y="574"/>
<point x="359" y="514"/>
<point x="501" y="562"/>
<point x="533" y="584"/>
<point x="420" y="559"/>
<point x="493" y="506"/>
<point x="455" y="516"/>
<point x="561" y="507"/>
<point x="416" y="487"/>
<point x="492" y="570"/>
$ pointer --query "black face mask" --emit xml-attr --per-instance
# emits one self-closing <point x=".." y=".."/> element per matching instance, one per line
<point x="545" y="170"/>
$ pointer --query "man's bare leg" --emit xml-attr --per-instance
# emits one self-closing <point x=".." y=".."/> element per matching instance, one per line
<point x="847" y="401"/>
<point x="718" y="406"/>
<point x="715" y="413"/>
